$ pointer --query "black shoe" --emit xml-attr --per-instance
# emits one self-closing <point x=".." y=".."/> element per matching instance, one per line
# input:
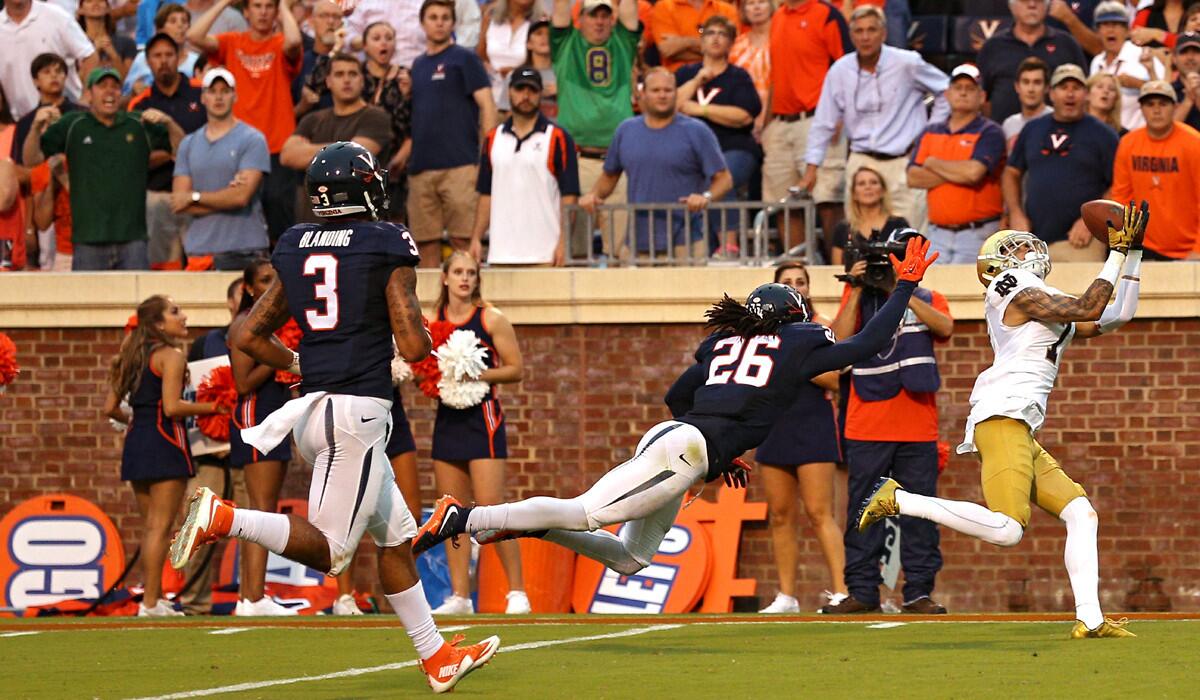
<point x="924" y="606"/>
<point x="849" y="606"/>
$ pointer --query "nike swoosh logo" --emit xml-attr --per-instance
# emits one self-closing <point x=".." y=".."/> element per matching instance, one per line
<point x="367" y="420"/>
<point x="684" y="459"/>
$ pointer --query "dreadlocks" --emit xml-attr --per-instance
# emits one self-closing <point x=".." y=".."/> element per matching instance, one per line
<point x="732" y="317"/>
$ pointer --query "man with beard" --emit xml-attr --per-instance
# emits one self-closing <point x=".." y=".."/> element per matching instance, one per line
<point x="174" y="95"/>
<point x="669" y="157"/>
<point x="108" y="152"/>
<point x="524" y="222"/>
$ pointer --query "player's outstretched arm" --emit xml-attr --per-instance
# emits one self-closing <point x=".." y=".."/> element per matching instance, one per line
<point x="1124" y="306"/>
<point x="412" y="340"/>
<point x="882" y="326"/>
<point x="256" y="335"/>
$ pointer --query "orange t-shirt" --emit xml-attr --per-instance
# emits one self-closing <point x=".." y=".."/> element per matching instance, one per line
<point x="1166" y="173"/>
<point x="756" y="61"/>
<point x="264" y="77"/>
<point x="805" y="41"/>
<point x="906" y="417"/>
<point x="679" y="18"/>
<point x="39" y="180"/>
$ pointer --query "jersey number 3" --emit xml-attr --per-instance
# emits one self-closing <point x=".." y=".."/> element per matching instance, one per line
<point x="325" y="291"/>
<point x="752" y="369"/>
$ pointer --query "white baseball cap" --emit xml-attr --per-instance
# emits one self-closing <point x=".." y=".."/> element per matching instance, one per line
<point x="218" y="74"/>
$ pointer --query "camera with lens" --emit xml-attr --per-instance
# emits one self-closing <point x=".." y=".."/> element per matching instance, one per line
<point x="879" y="274"/>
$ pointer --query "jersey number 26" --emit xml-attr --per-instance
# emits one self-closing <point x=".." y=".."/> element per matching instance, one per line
<point x="741" y="362"/>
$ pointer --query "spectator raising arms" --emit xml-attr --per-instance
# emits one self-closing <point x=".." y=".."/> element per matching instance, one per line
<point x="527" y="172"/>
<point x="328" y="40"/>
<point x="263" y="62"/>
<point x="452" y="109"/>
<point x="349" y="119"/>
<point x="869" y="216"/>
<point x="1131" y="64"/>
<point x="29" y="28"/>
<point x="799" y="456"/>
<point x="1162" y="160"/>
<point x="259" y="395"/>
<point x="150" y="372"/>
<point x="115" y="50"/>
<point x="219" y="190"/>
<point x="1158" y="24"/>
<point x="173" y="20"/>
<point x="470" y="445"/>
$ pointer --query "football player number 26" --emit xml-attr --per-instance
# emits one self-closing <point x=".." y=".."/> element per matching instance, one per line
<point x="325" y="290"/>
<point x="739" y="360"/>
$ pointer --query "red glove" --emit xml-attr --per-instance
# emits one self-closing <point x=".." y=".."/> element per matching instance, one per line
<point x="738" y="474"/>
<point x="914" y="265"/>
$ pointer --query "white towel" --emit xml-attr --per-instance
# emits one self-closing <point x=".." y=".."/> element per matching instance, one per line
<point x="274" y="430"/>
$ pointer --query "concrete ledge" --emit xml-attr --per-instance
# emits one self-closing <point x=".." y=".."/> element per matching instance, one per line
<point x="544" y="296"/>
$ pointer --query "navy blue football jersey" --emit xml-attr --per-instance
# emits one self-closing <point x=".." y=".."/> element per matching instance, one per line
<point x="739" y="386"/>
<point x="335" y="278"/>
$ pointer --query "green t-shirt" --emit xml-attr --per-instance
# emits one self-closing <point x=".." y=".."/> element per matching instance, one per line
<point x="107" y="167"/>
<point x="594" y="89"/>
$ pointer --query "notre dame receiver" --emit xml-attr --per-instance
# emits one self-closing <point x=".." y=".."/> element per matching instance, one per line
<point x="350" y="283"/>
<point x="746" y="375"/>
<point x="1030" y="325"/>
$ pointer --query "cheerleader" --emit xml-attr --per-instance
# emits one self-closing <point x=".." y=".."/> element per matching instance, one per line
<point x="799" y="455"/>
<point x="150" y="372"/>
<point x="470" y="445"/>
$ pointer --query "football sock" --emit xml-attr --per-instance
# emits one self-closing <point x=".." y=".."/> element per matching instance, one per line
<point x="537" y="513"/>
<point x="1082" y="560"/>
<point x="968" y="518"/>
<point x="601" y="545"/>
<point x="271" y="530"/>
<point x="413" y="610"/>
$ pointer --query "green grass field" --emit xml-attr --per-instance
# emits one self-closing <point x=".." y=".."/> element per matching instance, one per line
<point x="592" y="658"/>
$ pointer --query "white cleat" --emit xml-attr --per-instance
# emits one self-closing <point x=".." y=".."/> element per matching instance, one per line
<point x="782" y="604"/>
<point x="160" y="609"/>
<point x="455" y="605"/>
<point x="263" y="607"/>
<point x="518" y="603"/>
<point x="346" y="605"/>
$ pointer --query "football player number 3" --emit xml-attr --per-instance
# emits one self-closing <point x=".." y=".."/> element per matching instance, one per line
<point x="325" y="291"/>
<point x="739" y="360"/>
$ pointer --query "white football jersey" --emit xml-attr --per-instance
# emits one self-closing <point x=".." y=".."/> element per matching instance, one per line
<point x="1018" y="383"/>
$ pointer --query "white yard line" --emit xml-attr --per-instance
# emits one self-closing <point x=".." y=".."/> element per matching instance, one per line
<point x="403" y="664"/>
<point x="231" y="630"/>
<point x="885" y="625"/>
<point x="19" y="634"/>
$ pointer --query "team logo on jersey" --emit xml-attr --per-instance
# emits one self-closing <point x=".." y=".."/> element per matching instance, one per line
<point x="1059" y="144"/>
<point x="57" y="548"/>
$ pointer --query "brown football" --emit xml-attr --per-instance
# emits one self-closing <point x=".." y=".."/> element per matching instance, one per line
<point x="1097" y="213"/>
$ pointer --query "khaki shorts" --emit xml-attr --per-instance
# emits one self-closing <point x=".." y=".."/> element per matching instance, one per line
<point x="783" y="164"/>
<point x="442" y="200"/>
<point x="1018" y="471"/>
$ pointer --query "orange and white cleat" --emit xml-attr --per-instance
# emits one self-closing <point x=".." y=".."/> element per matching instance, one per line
<point x="208" y="520"/>
<point x="449" y="520"/>
<point x="452" y="663"/>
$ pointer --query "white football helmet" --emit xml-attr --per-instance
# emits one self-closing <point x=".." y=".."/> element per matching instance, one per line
<point x="999" y="253"/>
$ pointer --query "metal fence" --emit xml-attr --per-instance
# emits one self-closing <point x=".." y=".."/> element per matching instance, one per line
<point x="633" y="235"/>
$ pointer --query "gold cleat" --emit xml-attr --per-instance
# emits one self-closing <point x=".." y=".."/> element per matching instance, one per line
<point x="880" y="505"/>
<point x="1108" y="628"/>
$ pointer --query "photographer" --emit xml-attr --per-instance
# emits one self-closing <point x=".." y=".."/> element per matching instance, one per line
<point x="891" y="426"/>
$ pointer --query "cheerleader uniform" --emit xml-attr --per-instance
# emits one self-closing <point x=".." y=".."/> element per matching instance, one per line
<point x="807" y="432"/>
<point x="400" y="440"/>
<point x="251" y="410"/>
<point x="156" y="445"/>
<point x="463" y="434"/>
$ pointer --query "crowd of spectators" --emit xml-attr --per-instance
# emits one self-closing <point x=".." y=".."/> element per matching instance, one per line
<point x="675" y="102"/>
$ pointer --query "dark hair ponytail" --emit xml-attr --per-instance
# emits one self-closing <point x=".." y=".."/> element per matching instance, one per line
<point x="248" y="282"/>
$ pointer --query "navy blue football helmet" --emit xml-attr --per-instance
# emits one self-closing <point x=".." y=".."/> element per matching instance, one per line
<point x="344" y="179"/>
<point x="778" y="300"/>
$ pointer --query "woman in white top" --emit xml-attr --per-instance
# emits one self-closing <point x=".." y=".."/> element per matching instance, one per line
<point x="502" y="42"/>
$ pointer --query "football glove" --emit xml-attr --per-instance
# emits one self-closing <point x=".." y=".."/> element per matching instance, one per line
<point x="738" y="474"/>
<point x="1133" y="228"/>
<point x="914" y="264"/>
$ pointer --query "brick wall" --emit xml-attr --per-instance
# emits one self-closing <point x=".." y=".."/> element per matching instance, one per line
<point x="1125" y="422"/>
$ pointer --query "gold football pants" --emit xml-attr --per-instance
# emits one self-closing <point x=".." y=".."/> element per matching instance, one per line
<point x="1017" y="471"/>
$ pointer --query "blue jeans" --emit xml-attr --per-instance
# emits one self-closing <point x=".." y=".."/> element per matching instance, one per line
<point x="742" y="166"/>
<point x="110" y="256"/>
<point x="899" y="19"/>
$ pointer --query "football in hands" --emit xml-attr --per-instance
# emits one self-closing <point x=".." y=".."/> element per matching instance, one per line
<point x="1097" y="213"/>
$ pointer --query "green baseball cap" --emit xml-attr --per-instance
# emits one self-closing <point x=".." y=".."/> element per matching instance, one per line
<point x="99" y="74"/>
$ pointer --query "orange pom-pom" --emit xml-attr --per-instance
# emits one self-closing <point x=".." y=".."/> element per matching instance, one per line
<point x="219" y="388"/>
<point x="9" y="369"/>
<point x="290" y="334"/>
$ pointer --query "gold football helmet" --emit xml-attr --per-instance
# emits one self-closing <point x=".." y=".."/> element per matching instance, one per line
<point x="999" y="253"/>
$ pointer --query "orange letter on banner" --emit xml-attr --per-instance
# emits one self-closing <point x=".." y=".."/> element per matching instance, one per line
<point x="723" y="520"/>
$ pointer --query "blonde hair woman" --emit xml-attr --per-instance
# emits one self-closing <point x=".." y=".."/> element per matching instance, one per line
<point x="1104" y="100"/>
<point x="868" y="213"/>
